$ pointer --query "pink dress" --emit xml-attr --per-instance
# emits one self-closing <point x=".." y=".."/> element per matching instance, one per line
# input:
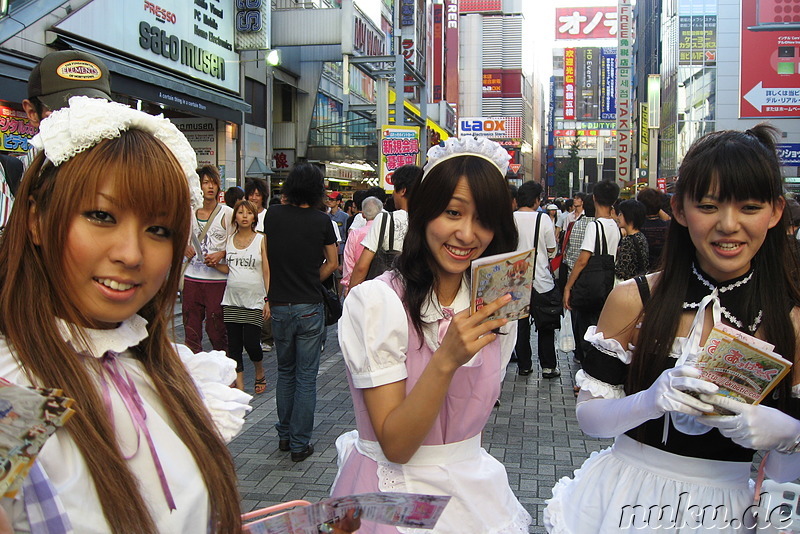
<point x="451" y="460"/>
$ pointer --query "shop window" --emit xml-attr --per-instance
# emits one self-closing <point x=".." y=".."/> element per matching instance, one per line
<point x="255" y="94"/>
<point x="287" y="103"/>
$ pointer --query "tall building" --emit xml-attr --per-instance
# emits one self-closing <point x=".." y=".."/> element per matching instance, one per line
<point x="724" y="64"/>
<point x="499" y="96"/>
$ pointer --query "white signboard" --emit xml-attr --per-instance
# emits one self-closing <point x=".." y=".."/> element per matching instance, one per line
<point x="202" y="135"/>
<point x="194" y="38"/>
<point x="624" y="93"/>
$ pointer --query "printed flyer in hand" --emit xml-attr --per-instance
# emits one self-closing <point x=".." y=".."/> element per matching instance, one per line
<point x="28" y="417"/>
<point x="494" y="276"/>
<point x="745" y="368"/>
<point x="397" y="509"/>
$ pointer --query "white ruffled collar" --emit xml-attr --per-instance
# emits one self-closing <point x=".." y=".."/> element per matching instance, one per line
<point x="432" y="311"/>
<point x="97" y="342"/>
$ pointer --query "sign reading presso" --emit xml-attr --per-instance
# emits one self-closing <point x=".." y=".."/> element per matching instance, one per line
<point x="194" y="38"/>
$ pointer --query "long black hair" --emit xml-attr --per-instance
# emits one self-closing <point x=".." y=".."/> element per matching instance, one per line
<point x="735" y="166"/>
<point x="430" y="198"/>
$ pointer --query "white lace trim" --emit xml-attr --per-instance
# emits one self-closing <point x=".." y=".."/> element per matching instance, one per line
<point x="597" y="387"/>
<point x="612" y="347"/>
<point x="87" y="121"/>
<point x="468" y="145"/>
<point x="97" y="342"/>
<point x="213" y="372"/>
<point x="724" y="289"/>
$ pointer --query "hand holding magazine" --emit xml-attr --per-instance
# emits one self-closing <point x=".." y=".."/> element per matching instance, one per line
<point x="28" y="417"/>
<point x="745" y="368"/>
<point x="502" y="274"/>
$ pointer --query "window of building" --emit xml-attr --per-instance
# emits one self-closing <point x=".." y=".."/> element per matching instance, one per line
<point x="255" y="94"/>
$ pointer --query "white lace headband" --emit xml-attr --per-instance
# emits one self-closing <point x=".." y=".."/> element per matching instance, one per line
<point x="87" y="121"/>
<point x="480" y="147"/>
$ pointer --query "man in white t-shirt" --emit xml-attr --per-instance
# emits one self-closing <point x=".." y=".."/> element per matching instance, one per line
<point x="528" y="199"/>
<point x="404" y="179"/>
<point x="203" y="285"/>
<point x="604" y="195"/>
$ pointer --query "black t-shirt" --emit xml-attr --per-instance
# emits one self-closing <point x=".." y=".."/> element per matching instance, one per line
<point x="296" y="239"/>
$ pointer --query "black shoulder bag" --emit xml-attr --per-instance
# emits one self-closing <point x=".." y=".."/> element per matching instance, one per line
<point x="384" y="259"/>
<point x="596" y="281"/>
<point x="546" y="308"/>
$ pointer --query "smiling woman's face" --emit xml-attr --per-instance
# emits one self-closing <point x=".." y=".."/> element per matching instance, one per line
<point x="456" y="236"/>
<point x="727" y="235"/>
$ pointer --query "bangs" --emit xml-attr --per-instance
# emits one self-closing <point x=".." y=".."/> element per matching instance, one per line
<point x="146" y="178"/>
<point x="735" y="167"/>
<point x="489" y="191"/>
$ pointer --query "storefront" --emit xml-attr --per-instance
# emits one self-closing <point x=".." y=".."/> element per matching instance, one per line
<point x="172" y="57"/>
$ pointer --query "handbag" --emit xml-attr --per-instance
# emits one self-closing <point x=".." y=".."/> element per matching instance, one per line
<point x="597" y="279"/>
<point x="330" y="301"/>
<point x="546" y="307"/>
<point x="384" y="259"/>
<point x="566" y="338"/>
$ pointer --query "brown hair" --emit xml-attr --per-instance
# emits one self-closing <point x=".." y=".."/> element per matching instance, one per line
<point x="249" y="206"/>
<point x="138" y="164"/>
<point x="210" y="172"/>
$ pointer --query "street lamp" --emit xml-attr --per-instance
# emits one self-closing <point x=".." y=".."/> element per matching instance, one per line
<point x="653" y="124"/>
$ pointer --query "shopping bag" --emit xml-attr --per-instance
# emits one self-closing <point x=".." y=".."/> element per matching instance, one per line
<point x="566" y="339"/>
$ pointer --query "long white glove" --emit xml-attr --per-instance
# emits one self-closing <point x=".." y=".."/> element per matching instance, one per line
<point x="754" y="426"/>
<point x="608" y="418"/>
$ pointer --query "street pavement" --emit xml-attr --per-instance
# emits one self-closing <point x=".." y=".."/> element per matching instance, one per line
<point x="533" y="432"/>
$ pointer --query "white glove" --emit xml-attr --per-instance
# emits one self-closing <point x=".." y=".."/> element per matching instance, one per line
<point x="754" y="426"/>
<point x="667" y="392"/>
<point x="608" y="418"/>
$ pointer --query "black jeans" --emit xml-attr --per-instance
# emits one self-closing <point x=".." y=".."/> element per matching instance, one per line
<point x="546" y="346"/>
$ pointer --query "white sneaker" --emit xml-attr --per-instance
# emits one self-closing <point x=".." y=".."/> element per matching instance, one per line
<point x="551" y="373"/>
<point x="266" y="347"/>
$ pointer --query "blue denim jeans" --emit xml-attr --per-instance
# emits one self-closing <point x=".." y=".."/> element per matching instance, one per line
<point x="297" y="330"/>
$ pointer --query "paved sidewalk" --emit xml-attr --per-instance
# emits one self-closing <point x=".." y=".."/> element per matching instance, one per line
<point x="534" y="433"/>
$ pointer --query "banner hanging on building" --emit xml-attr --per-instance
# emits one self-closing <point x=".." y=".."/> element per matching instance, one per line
<point x="770" y="60"/>
<point x="624" y="73"/>
<point x="569" y="83"/>
<point x="608" y="84"/>
<point x="399" y="146"/>
<point x="16" y="131"/>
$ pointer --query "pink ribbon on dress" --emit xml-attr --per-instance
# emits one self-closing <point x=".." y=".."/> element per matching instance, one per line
<point x="133" y="403"/>
<point x="444" y="322"/>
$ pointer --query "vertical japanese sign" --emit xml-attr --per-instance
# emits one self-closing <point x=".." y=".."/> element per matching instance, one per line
<point x="569" y="84"/>
<point x="438" y="52"/>
<point x="644" y="136"/>
<point x="624" y="72"/>
<point x="608" y="84"/>
<point x="451" y="51"/>
<point x="399" y="146"/>
<point x="770" y="60"/>
<point x="587" y="77"/>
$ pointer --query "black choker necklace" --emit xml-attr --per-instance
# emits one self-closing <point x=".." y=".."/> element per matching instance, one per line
<point x="735" y="298"/>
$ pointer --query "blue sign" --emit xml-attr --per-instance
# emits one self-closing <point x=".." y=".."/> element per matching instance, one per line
<point x="608" y="83"/>
<point x="789" y="154"/>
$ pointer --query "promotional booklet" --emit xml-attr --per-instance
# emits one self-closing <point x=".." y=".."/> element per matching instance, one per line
<point x="745" y="368"/>
<point x="494" y="276"/>
<point x="397" y="509"/>
<point x="28" y="417"/>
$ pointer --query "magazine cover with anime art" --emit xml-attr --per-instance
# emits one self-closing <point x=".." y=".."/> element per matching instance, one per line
<point x="745" y="368"/>
<point x="28" y="417"/>
<point x="494" y="276"/>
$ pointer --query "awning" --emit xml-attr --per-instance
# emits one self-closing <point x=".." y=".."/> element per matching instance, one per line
<point x="148" y="83"/>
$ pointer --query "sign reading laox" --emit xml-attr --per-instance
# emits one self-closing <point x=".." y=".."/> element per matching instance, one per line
<point x="495" y="127"/>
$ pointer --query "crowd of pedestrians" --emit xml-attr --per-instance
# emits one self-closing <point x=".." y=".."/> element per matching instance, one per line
<point x="643" y="279"/>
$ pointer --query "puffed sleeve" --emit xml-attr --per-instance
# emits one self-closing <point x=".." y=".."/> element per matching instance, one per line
<point x="605" y="366"/>
<point x="213" y="373"/>
<point x="373" y="334"/>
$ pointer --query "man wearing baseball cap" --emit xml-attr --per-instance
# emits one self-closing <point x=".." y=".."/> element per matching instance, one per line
<point x="60" y="76"/>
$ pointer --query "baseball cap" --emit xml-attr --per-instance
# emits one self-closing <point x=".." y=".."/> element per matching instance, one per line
<point x="551" y="207"/>
<point x="335" y="195"/>
<point x="67" y="73"/>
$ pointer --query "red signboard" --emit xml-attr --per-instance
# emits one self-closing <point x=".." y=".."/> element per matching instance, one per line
<point x="451" y="50"/>
<point x="770" y="60"/>
<point x="438" y="52"/>
<point x="586" y="22"/>
<point x="480" y="6"/>
<point x="569" y="83"/>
